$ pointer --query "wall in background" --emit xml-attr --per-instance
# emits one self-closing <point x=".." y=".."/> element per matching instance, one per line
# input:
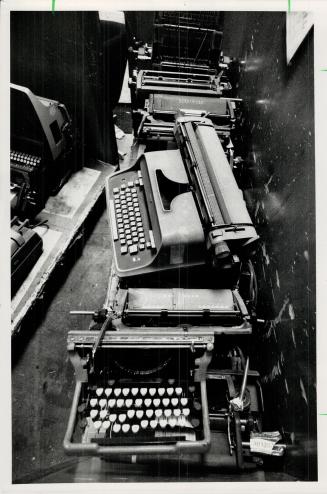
<point x="280" y="188"/>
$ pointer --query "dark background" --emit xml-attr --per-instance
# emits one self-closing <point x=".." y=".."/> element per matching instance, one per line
<point x="74" y="58"/>
<point x="278" y="125"/>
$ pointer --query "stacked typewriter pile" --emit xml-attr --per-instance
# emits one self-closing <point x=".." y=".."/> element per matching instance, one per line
<point x="187" y="73"/>
<point x="164" y="368"/>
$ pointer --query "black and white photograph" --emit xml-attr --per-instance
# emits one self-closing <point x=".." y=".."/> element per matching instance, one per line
<point x="162" y="293"/>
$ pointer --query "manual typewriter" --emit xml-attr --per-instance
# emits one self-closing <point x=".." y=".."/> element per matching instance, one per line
<point x="41" y="142"/>
<point x="179" y="208"/>
<point x="161" y="373"/>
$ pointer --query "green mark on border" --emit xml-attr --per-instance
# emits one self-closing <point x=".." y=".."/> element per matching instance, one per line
<point x="289" y="5"/>
<point x="53" y="6"/>
<point x="322" y="414"/>
<point x="323" y="70"/>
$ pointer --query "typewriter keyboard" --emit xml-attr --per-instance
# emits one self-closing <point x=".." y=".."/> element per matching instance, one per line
<point x="141" y="413"/>
<point x="129" y="228"/>
<point x="24" y="161"/>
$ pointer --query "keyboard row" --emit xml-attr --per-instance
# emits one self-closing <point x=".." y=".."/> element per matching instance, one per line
<point x="145" y="424"/>
<point x="141" y="391"/>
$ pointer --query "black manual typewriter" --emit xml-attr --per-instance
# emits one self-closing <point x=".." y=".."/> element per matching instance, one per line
<point x="163" y="374"/>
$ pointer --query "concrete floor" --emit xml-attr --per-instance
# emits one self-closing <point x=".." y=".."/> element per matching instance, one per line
<point x="280" y="190"/>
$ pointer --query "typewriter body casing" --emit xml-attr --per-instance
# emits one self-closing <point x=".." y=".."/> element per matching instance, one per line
<point x="179" y="207"/>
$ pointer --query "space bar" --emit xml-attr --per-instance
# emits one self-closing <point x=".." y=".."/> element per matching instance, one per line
<point x="120" y="441"/>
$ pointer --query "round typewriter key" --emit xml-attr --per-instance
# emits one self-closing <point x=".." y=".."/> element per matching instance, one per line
<point x="141" y="247"/>
<point x="147" y="402"/>
<point x="184" y="401"/>
<point x="120" y="403"/>
<point x="135" y="391"/>
<point x="112" y="417"/>
<point x="81" y="408"/>
<point x="125" y="427"/>
<point x="195" y="422"/>
<point x="139" y="414"/>
<point x="111" y="382"/>
<point x="149" y="413"/>
<point x="197" y="405"/>
<point x="163" y="423"/>
<point x="138" y="402"/>
<point x="167" y="412"/>
<point x="156" y="402"/>
<point x="111" y="403"/>
<point x="99" y="391"/>
<point x="178" y="391"/>
<point x="125" y="391"/>
<point x="191" y="389"/>
<point x="108" y="392"/>
<point x="170" y="391"/>
<point x="172" y="421"/>
<point x="165" y="402"/>
<point x="174" y="402"/>
<point x="122" y="417"/>
<point x="116" y="428"/>
<point x="103" y="403"/>
<point x="103" y="414"/>
<point x="153" y="424"/>
<point x="161" y="391"/>
<point x="177" y="412"/>
<point x="144" y="424"/>
<point x="130" y="413"/>
<point x="158" y="412"/>
<point x="171" y="381"/>
<point x="93" y="414"/>
<point x="186" y="412"/>
<point x="135" y="428"/>
<point x="106" y="424"/>
<point x="152" y="391"/>
<point x="128" y="403"/>
<point x="97" y="424"/>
